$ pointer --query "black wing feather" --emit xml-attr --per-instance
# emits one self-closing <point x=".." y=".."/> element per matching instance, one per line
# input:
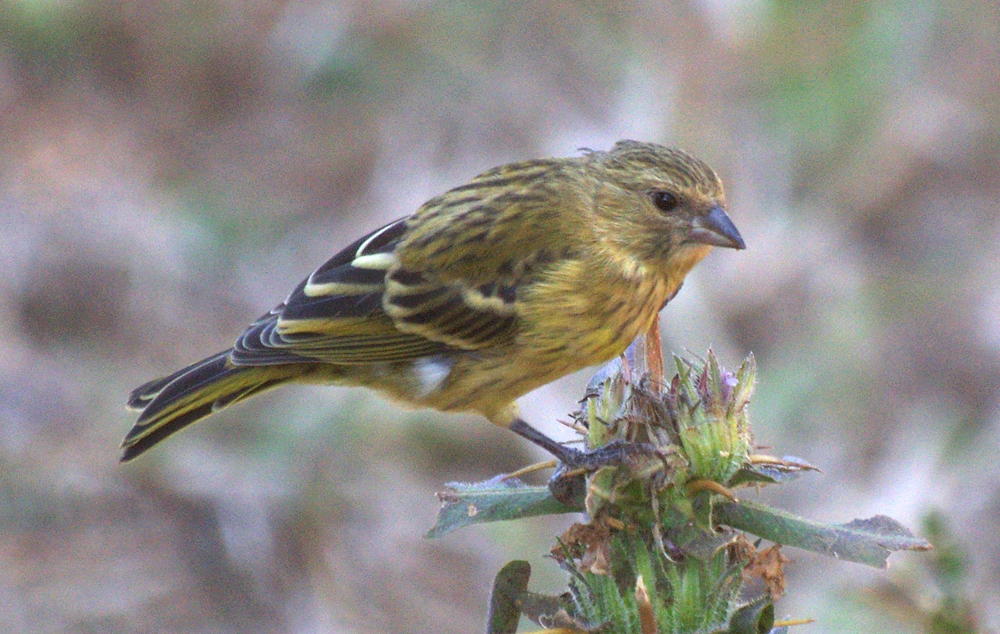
<point x="336" y="315"/>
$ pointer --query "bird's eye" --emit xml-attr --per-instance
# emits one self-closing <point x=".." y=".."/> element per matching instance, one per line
<point x="665" y="201"/>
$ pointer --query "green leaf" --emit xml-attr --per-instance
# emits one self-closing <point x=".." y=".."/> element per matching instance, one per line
<point x="754" y="618"/>
<point x="492" y="501"/>
<point x="509" y="584"/>
<point x="868" y="541"/>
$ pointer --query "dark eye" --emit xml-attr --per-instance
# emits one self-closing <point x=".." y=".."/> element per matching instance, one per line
<point x="665" y="201"/>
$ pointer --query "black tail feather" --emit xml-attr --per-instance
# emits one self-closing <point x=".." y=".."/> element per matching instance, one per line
<point x="145" y="393"/>
<point x="172" y="403"/>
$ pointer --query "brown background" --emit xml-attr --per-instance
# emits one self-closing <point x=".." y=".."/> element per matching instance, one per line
<point x="168" y="170"/>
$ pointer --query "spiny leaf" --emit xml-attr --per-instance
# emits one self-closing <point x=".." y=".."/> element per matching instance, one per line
<point x="868" y="541"/>
<point x="492" y="501"/>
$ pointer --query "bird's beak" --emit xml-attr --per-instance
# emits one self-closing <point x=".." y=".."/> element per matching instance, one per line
<point x="715" y="228"/>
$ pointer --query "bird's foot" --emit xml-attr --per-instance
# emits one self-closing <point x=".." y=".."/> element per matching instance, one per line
<point x="569" y="481"/>
<point x="617" y="452"/>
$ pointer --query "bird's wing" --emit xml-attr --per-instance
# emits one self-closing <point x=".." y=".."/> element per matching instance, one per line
<point x="335" y="315"/>
<point x="468" y="255"/>
<point x="362" y="307"/>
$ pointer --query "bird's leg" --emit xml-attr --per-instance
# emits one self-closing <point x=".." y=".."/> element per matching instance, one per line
<point x="560" y="452"/>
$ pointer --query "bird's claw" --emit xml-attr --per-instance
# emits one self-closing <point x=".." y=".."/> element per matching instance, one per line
<point x="615" y="453"/>
<point x="568" y="483"/>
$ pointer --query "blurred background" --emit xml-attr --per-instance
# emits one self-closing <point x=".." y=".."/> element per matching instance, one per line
<point x="169" y="170"/>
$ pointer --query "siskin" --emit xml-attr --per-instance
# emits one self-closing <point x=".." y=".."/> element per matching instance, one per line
<point x="527" y="273"/>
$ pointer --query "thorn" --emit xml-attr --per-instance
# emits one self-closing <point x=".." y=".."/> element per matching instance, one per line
<point x="538" y="466"/>
<point x="697" y="486"/>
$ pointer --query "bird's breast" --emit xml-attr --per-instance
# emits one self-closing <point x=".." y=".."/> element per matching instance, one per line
<point x="586" y="316"/>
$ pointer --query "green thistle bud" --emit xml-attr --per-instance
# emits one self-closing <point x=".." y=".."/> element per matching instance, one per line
<point x="707" y="409"/>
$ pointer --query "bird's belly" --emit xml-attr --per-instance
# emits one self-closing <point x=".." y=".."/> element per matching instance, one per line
<point x="559" y="335"/>
<point x="572" y="335"/>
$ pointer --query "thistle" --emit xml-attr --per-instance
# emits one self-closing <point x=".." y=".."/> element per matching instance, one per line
<point x="664" y="547"/>
<point x="649" y="559"/>
<point x="695" y="430"/>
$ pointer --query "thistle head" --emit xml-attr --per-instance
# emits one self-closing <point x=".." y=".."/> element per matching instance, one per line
<point x="707" y="406"/>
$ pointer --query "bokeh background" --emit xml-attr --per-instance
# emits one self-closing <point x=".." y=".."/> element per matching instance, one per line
<point x="169" y="170"/>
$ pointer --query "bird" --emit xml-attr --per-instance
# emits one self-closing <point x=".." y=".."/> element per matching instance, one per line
<point x="528" y="272"/>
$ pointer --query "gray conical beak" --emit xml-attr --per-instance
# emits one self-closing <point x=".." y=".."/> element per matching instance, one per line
<point x="717" y="229"/>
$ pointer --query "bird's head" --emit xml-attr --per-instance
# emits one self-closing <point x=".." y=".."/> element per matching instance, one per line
<point x="663" y="206"/>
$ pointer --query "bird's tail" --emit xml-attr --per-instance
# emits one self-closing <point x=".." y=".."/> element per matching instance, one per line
<point x="172" y="403"/>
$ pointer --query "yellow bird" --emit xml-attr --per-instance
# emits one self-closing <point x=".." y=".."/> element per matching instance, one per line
<point x="529" y="272"/>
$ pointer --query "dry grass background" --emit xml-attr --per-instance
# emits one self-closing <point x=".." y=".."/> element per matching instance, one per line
<point x="169" y="170"/>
